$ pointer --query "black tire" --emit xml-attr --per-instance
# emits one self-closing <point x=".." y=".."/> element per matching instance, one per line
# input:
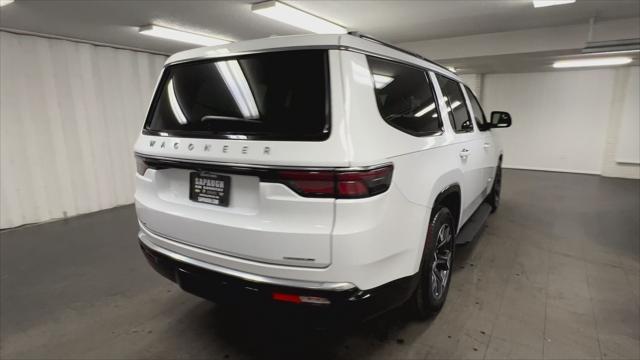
<point x="493" y="198"/>
<point x="435" y="276"/>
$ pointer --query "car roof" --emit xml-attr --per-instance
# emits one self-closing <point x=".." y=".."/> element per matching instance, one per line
<point x="279" y="43"/>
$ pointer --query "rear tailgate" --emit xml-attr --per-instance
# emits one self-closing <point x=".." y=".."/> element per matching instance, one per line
<point x="237" y="118"/>
<point x="264" y="222"/>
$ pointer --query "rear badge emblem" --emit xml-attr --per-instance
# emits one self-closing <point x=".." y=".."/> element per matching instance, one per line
<point x="152" y="143"/>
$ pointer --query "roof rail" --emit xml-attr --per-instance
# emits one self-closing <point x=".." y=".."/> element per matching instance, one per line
<point x="371" y="38"/>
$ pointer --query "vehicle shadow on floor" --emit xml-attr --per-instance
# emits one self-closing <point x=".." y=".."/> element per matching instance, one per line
<point x="260" y="333"/>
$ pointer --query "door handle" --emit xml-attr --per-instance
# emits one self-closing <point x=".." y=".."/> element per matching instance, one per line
<point x="464" y="154"/>
<point x="486" y="145"/>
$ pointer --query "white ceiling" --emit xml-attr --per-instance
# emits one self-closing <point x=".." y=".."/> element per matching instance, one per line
<point x="116" y="22"/>
<point x="403" y="21"/>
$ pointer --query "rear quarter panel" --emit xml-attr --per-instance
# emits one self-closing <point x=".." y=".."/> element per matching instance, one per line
<point x="423" y="167"/>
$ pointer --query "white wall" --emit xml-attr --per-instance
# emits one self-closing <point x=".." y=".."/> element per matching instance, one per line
<point x="563" y="120"/>
<point x="622" y="146"/>
<point x="474" y="82"/>
<point x="628" y="145"/>
<point x="69" y="114"/>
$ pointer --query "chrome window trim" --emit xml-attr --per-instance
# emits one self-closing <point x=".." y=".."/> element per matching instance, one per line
<point x="326" y="286"/>
<point x="256" y="166"/>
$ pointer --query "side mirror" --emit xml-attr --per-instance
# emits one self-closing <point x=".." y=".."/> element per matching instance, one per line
<point x="500" y="119"/>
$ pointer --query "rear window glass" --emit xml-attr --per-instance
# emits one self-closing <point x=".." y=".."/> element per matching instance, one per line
<point x="278" y="96"/>
<point x="405" y="97"/>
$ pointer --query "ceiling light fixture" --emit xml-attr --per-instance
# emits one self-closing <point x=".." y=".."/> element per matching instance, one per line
<point x="5" y="2"/>
<point x="612" y="46"/>
<point x="591" y="62"/>
<point x="181" y="35"/>
<point x="545" y="3"/>
<point x="289" y="15"/>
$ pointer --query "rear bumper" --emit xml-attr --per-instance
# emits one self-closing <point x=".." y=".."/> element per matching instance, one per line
<point x="223" y="288"/>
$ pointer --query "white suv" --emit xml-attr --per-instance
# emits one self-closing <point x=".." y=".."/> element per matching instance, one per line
<point x="319" y="171"/>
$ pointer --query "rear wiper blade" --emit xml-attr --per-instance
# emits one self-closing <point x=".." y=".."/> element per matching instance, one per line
<point x="228" y="118"/>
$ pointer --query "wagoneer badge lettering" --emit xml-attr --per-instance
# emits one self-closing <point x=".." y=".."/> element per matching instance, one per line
<point x="244" y="150"/>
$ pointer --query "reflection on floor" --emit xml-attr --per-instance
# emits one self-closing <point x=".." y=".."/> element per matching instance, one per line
<point x="555" y="274"/>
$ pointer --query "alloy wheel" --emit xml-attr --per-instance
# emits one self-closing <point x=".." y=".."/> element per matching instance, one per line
<point x="441" y="268"/>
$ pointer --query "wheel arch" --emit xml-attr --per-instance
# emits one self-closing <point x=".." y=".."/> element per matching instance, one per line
<point x="451" y="198"/>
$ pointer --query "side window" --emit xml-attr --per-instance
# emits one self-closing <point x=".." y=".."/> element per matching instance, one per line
<point x="456" y="105"/>
<point x="478" y="114"/>
<point x="405" y="97"/>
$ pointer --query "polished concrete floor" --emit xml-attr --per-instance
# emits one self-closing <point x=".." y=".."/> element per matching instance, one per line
<point x="555" y="274"/>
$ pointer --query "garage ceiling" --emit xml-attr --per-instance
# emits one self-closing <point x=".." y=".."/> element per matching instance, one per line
<point x="116" y="22"/>
<point x="524" y="62"/>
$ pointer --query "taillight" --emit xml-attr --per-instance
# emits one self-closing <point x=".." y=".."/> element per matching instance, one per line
<point x="355" y="184"/>
<point x="338" y="184"/>
<point x="309" y="183"/>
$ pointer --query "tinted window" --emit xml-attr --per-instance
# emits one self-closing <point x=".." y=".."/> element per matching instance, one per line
<point x="478" y="114"/>
<point x="405" y="97"/>
<point x="456" y="104"/>
<point x="280" y="95"/>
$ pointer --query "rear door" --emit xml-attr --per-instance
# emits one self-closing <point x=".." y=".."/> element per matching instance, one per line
<point x="467" y="143"/>
<point x="217" y="131"/>
<point x="488" y="144"/>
